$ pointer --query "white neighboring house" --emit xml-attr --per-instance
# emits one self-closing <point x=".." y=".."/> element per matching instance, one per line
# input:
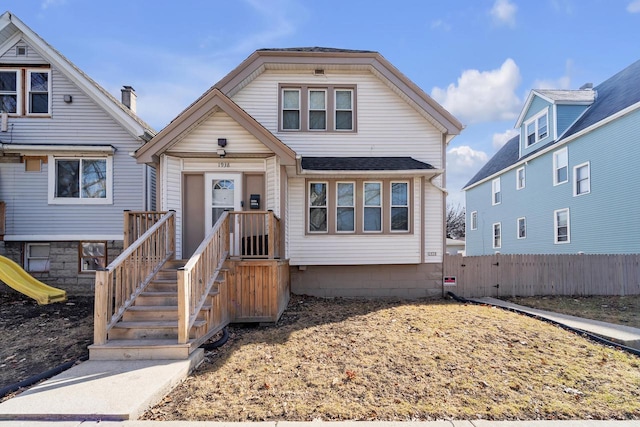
<point x="66" y="169"/>
<point x="341" y="146"/>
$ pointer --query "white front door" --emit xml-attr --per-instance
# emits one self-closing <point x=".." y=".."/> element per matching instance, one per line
<point x="223" y="191"/>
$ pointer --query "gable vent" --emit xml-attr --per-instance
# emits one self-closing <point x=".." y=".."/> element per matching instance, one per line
<point x="318" y="72"/>
<point x="21" y="51"/>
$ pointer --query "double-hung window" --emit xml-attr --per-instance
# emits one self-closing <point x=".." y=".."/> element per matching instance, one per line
<point x="497" y="236"/>
<point x="474" y="220"/>
<point x="345" y="207"/>
<point x="318" y="207"/>
<point x="520" y="178"/>
<point x="399" y="206"/>
<point x="561" y="226"/>
<point x="39" y="88"/>
<point x="25" y="91"/>
<point x="344" y="109"/>
<point x="522" y="228"/>
<point x="372" y="206"/>
<point x="80" y="180"/>
<point x="581" y="179"/>
<point x="291" y="109"/>
<point x="314" y="108"/>
<point x="496" y="195"/>
<point x="537" y="128"/>
<point x="317" y="109"/>
<point x="9" y="85"/>
<point x="560" y="166"/>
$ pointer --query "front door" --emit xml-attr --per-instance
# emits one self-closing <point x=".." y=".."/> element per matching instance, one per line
<point x="223" y="191"/>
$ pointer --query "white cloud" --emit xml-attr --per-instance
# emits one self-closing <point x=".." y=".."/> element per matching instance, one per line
<point x="504" y="13"/>
<point x="499" y="139"/>
<point x="483" y="96"/>
<point x="462" y="163"/>
<point x="562" y="82"/>
<point x="634" y="6"/>
<point x="50" y="3"/>
<point x="439" y="24"/>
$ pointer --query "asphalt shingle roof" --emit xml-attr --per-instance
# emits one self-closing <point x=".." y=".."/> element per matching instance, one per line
<point x="363" y="164"/>
<point x="611" y="96"/>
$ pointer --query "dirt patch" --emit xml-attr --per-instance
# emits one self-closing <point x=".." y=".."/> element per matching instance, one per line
<point x="36" y="338"/>
<point x="381" y="360"/>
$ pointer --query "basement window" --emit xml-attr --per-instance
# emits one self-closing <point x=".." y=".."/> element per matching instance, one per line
<point x="37" y="257"/>
<point x="93" y="256"/>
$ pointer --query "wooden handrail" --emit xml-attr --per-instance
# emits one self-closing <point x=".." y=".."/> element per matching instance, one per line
<point x="257" y="234"/>
<point x="136" y="223"/>
<point x="125" y="278"/>
<point x="196" y="278"/>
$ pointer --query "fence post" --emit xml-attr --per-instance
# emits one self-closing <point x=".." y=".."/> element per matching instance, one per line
<point x="100" y="307"/>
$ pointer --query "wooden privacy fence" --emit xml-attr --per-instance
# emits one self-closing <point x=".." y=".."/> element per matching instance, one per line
<point x="503" y="275"/>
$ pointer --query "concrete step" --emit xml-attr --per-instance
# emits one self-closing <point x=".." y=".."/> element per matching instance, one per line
<point x="147" y="349"/>
<point x="160" y="329"/>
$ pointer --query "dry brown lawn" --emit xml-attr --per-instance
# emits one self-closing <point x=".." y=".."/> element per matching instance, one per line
<point x="340" y="359"/>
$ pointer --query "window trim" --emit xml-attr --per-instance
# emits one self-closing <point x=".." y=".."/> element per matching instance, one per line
<point x="282" y="109"/>
<point x="53" y="200"/>
<point x="556" y="225"/>
<point x="496" y="191"/>
<point x="473" y="220"/>
<point x="330" y="104"/>
<point x="27" y="257"/>
<point x="81" y="257"/>
<point x="310" y="110"/>
<point x="520" y="186"/>
<point x="498" y="235"/>
<point x="524" y="220"/>
<point x="407" y="206"/>
<point x="18" y="92"/>
<point x="353" y="206"/>
<point x="326" y="206"/>
<point x="556" y="168"/>
<point x="28" y="91"/>
<point x="336" y="110"/>
<point x="381" y="206"/>
<point x="575" y="179"/>
<point x="534" y="120"/>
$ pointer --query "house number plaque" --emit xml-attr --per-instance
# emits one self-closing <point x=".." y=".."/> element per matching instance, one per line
<point x="223" y="164"/>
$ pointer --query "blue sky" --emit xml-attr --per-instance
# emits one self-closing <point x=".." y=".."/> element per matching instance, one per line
<point x="478" y="58"/>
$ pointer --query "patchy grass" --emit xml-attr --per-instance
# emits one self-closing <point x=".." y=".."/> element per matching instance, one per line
<point x="619" y="310"/>
<point x="379" y="360"/>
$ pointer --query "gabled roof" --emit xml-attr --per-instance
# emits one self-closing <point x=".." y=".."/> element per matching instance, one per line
<point x="312" y="58"/>
<point x="10" y="29"/>
<point x="613" y="97"/>
<point x="558" y="97"/>
<point x="213" y="101"/>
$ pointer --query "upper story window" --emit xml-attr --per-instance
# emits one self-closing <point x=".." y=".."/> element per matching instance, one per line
<point x="80" y="180"/>
<point x="474" y="220"/>
<point x="581" y="179"/>
<point x="560" y="166"/>
<point x="537" y="128"/>
<point x="496" y="194"/>
<point x="317" y="108"/>
<point x="561" y="226"/>
<point x="31" y="98"/>
<point x="520" y="178"/>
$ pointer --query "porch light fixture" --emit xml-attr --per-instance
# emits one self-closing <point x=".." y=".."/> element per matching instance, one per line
<point x="221" y="152"/>
<point x="222" y="142"/>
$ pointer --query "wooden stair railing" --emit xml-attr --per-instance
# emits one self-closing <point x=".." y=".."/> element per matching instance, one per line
<point x="258" y="234"/>
<point x="118" y="285"/>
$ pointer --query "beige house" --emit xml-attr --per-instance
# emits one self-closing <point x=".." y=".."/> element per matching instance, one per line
<point x="339" y="145"/>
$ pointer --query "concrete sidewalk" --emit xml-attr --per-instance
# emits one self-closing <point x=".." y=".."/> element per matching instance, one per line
<point x="620" y="334"/>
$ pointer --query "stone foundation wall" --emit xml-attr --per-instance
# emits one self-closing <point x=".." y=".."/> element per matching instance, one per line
<point x="401" y="281"/>
<point x="63" y="265"/>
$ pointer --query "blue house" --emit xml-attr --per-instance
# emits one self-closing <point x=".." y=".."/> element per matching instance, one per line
<point x="567" y="183"/>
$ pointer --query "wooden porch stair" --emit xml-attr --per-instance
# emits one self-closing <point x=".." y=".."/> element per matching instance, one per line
<point x="149" y="328"/>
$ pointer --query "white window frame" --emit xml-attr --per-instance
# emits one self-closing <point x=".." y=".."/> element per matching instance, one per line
<point x="310" y="206"/>
<point x="521" y="183"/>
<point x="28" y="91"/>
<point x="365" y="206"/>
<point x="556" y="225"/>
<point x="474" y="220"/>
<point x="283" y="109"/>
<point x="311" y="110"/>
<point x="28" y="258"/>
<point x="52" y="176"/>
<point x="352" y="206"/>
<point x="497" y="237"/>
<point x="391" y="206"/>
<point x="524" y="222"/>
<point x="535" y="122"/>
<point x="336" y="110"/>
<point x="587" y="179"/>
<point x="18" y="92"/>
<point x="82" y="257"/>
<point x="557" y="167"/>
<point x="495" y="191"/>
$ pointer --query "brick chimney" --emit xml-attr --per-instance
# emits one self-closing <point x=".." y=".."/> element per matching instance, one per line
<point x="129" y="98"/>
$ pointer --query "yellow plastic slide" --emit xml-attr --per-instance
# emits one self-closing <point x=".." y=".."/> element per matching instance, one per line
<point x="13" y="275"/>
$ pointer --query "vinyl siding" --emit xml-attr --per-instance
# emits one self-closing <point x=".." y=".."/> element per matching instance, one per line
<point x="567" y="115"/>
<point x="605" y="221"/>
<point x="172" y="194"/>
<point x="537" y="105"/>
<point x="32" y="56"/>
<point x="80" y="122"/>
<point x="273" y="185"/>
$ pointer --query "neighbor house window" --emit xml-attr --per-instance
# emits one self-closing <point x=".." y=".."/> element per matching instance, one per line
<point x="37" y="257"/>
<point x="496" y="196"/>
<point x="291" y="109"/>
<point x="520" y="179"/>
<point x="345" y="207"/>
<point x="561" y="226"/>
<point x="318" y="207"/>
<point x="39" y="88"/>
<point x="317" y="108"/>
<point x="399" y="206"/>
<point x="93" y="256"/>
<point x="537" y="128"/>
<point x="582" y="179"/>
<point x="474" y="220"/>
<point x="9" y="84"/>
<point x="560" y="167"/>
<point x="497" y="236"/>
<point x="344" y="109"/>
<point x="372" y="206"/>
<point x="522" y="228"/>
<point x="85" y="180"/>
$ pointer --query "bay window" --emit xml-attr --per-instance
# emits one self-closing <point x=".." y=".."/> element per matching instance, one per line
<point x="345" y="207"/>
<point x="372" y="206"/>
